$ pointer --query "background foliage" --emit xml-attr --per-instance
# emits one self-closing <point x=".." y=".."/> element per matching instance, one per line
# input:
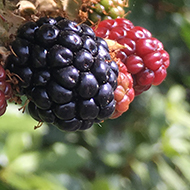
<point x="148" y="148"/>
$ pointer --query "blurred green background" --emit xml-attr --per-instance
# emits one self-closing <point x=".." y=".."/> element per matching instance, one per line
<point x="147" y="148"/>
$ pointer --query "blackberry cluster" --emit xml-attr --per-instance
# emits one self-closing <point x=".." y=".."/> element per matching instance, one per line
<point x="143" y="54"/>
<point x="65" y="71"/>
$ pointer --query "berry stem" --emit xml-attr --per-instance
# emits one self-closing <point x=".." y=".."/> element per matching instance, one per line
<point x="40" y="123"/>
<point x="23" y="108"/>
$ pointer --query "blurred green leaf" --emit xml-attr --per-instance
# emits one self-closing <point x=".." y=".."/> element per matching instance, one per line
<point x="100" y="184"/>
<point x="31" y="182"/>
<point x="62" y="158"/>
<point x="141" y="169"/>
<point x="183" y="163"/>
<point x="147" y="151"/>
<point x="177" y="108"/>
<point x="169" y="175"/>
<point x="15" y="121"/>
<point x="185" y="30"/>
<point x="15" y="145"/>
<point x="113" y="160"/>
<point x="25" y="163"/>
<point x="175" y="140"/>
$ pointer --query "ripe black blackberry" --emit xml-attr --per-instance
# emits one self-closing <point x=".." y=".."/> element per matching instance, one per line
<point x="65" y="71"/>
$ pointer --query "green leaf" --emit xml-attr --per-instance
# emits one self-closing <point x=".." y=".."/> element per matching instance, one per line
<point x="177" y="108"/>
<point x="113" y="159"/>
<point x="63" y="158"/>
<point x="31" y="182"/>
<point x="169" y="175"/>
<point x="185" y="31"/>
<point x="100" y="184"/>
<point x="14" y="120"/>
<point x="183" y="163"/>
<point x="175" y="140"/>
<point x="141" y="169"/>
<point x="25" y="163"/>
<point x="14" y="146"/>
<point x="147" y="151"/>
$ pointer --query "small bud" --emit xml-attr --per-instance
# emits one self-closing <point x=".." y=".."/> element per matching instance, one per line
<point x="26" y="8"/>
<point x="46" y="5"/>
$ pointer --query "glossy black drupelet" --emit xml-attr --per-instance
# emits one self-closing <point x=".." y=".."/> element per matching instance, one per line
<point x="66" y="72"/>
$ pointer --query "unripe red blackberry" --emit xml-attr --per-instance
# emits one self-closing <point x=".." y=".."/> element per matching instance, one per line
<point x="143" y="54"/>
<point x="65" y="71"/>
<point x="5" y="91"/>
<point x="124" y="93"/>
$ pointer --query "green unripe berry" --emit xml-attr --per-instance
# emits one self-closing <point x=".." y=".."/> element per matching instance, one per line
<point x="98" y="8"/>
<point x="107" y="4"/>
<point x="116" y="12"/>
<point x="106" y="17"/>
<point x="119" y="2"/>
<point x="95" y="17"/>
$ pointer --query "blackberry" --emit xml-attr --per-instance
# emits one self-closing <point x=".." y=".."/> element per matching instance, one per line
<point x="65" y="71"/>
